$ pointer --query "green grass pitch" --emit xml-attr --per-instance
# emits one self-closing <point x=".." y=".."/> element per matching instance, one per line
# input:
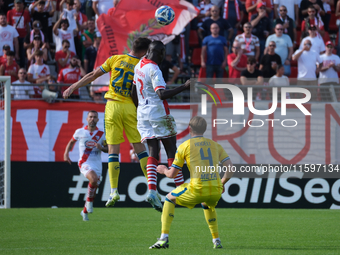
<point x="133" y="230"/>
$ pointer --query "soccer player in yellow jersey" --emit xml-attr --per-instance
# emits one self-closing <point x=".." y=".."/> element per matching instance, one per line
<point x="203" y="157"/>
<point x="120" y="111"/>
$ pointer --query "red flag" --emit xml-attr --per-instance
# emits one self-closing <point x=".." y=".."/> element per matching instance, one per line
<point x="133" y="19"/>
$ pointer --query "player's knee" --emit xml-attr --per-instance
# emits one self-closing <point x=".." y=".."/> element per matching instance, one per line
<point x="170" y="198"/>
<point x="204" y="206"/>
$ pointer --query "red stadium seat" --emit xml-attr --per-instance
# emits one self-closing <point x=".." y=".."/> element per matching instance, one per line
<point x="326" y="37"/>
<point x="298" y="37"/>
<point x="294" y="72"/>
<point x="196" y="57"/>
<point x="193" y="39"/>
<point x="293" y="63"/>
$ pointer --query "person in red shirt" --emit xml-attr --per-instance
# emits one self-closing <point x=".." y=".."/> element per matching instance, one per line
<point x="312" y="19"/>
<point x="64" y="56"/>
<point x="237" y="62"/>
<point x="3" y="59"/>
<point x="251" y="6"/>
<point x="71" y="74"/>
<point x="10" y="68"/>
<point x="19" y="18"/>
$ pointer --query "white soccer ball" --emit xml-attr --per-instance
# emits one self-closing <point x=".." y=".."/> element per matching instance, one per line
<point x="165" y="15"/>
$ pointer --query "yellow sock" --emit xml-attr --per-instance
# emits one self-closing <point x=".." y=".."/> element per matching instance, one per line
<point x="114" y="170"/>
<point x="211" y="218"/>
<point x="143" y="160"/>
<point x="167" y="216"/>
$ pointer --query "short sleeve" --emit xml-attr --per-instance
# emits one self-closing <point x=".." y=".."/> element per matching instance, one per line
<point x="76" y="135"/>
<point x="60" y="77"/>
<point x="106" y="67"/>
<point x="157" y="79"/>
<point x="223" y="155"/>
<point x="179" y="158"/>
<point x="337" y="60"/>
<point x="30" y="71"/>
<point x="296" y="52"/>
<point x="318" y="58"/>
<point x="289" y="41"/>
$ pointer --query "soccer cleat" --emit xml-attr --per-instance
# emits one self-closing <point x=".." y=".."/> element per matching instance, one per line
<point x="217" y="244"/>
<point x="84" y="215"/>
<point x="161" y="244"/>
<point x="154" y="200"/>
<point x="89" y="207"/>
<point x="114" y="197"/>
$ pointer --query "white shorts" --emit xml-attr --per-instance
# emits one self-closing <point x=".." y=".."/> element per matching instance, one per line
<point x="162" y="128"/>
<point x="85" y="168"/>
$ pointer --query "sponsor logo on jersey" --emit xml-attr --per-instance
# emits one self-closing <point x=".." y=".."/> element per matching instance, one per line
<point x="90" y="144"/>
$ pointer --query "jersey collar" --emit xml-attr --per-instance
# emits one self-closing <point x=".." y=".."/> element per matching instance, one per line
<point x="87" y="127"/>
<point x="148" y="61"/>
<point x="132" y="56"/>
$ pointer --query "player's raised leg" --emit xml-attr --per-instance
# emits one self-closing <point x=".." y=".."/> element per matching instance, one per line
<point x="170" y="148"/>
<point x="211" y="219"/>
<point x="151" y="168"/>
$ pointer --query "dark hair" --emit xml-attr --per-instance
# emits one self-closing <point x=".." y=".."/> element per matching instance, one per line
<point x="312" y="7"/>
<point x="247" y="23"/>
<point x="10" y="53"/>
<point x="70" y="2"/>
<point x="65" y="41"/>
<point x="92" y="111"/>
<point x="198" y="125"/>
<point x="39" y="53"/>
<point x="251" y="60"/>
<point x="278" y="67"/>
<point x="65" y="21"/>
<point x="141" y="44"/>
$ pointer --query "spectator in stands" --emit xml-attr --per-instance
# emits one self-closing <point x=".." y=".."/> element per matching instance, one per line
<point x="89" y="36"/>
<point x="237" y="62"/>
<point x="10" y="68"/>
<point x="22" y="92"/>
<point x="307" y="58"/>
<point x="43" y="16"/>
<point x="91" y="55"/>
<point x="318" y="44"/>
<point x="64" y="56"/>
<point x="291" y="7"/>
<point x="288" y="25"/>
<point x="82" y="20"/>
<point x="3" y="59"/>
<point x="261" y="26"/>
<point x="284" y="47"/>
<point x="233" y="12"/>
<point x="9" y="36"/>
<point x="337" y="14"/>
<point x="19" y="18"/>
<point x="35" y="46"/>
<point x="101" y="6"/>
<point x="251" y="7"/>
<point x="70" y="75"/>
<point x="204" y="14"/>
<point x="224" y="26"/>
<point x="35" y="31"/>
<point x="329" y="70"/>
<point x="251" y="76"/>
<point x="68" y="13"/>
<point x="318" y="5"/>
<point x="38" y="73"/>
<point x="279" y="79"/>
<point x="327" y="17"/>
<point x="249" y="43"/>
<point x="312" y="19"/>
<point x="215" y="48"/>
<point x="165" y="66"/>
<point x="112" y="10"/>
<point x="65" y="33"/>
<point x="270" y="61"/>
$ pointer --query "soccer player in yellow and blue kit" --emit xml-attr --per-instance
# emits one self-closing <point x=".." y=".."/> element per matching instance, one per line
<point x="202" y="156"/>
<point x="120" y="111"/>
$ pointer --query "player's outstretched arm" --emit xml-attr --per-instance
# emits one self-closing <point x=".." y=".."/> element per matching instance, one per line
<point x="170" y="173"/>
<point x="134" y="95"/>
<point x="227" y="174"/>
<point x="88" y="78"/>
<point x="68" y="148"/>
<point x="165" y="94"/>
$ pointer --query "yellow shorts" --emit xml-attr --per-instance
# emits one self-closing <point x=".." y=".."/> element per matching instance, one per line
<point x="185" y="198"/>
<point x="118" y="117"/>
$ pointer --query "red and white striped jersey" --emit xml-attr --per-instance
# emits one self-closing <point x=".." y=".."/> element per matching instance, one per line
<point x="148" y="79"/>
<point x="88" y="152"/>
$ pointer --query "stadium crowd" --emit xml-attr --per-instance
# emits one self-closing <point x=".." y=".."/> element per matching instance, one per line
<point x="251" y="41"/>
